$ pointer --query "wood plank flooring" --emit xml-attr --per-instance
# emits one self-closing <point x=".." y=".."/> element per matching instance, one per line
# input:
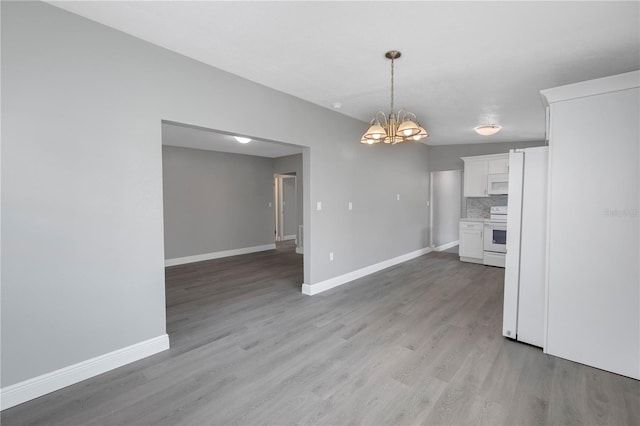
<point x="418" y="343"/>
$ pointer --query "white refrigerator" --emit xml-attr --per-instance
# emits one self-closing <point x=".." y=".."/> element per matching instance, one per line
<point x="525" y="260"/>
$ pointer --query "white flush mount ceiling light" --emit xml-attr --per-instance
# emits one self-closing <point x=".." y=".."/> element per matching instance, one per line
<point x="488" y="130"/>
<point x="396" y="128"/>
<point x="242" y="140"/>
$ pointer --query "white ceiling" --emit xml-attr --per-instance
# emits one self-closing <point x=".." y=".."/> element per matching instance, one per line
<point x="463" y="63"/>
<point x="175" y="134"/>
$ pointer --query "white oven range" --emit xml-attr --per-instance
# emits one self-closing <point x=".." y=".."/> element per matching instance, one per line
<point x="495" y="237"/>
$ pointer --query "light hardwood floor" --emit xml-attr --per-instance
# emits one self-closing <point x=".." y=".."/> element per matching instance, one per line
<point x="418" y="343"/>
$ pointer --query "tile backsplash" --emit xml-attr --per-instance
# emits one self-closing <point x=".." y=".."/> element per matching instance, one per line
<point x="481" y="206"/>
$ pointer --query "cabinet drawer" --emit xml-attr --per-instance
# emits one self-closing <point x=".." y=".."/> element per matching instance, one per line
<point x="472" y="225"/>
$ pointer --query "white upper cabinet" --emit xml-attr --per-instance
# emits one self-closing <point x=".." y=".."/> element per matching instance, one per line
<point x="477" y="170"/>
<point x="475" y="178"/>
<point x="499" y="165"/>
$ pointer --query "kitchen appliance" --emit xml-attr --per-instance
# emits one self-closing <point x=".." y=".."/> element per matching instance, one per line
<point x="498" y="214"/>
<point x="498" y="184"/>
<point x="495" y="237"/>
<point x="525" y="267"/>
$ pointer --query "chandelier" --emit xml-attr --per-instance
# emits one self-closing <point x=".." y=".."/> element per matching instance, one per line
<point x="396" y="128"/>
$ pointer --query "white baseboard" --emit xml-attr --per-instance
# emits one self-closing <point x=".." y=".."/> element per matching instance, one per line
<point x="288" y="237"/>
<point x="300" y="250"/>
<point x="217" y="255"/>
<point x="41" y="385"/>
<point x="311" y="289"/>
<point x="447" y="246"/>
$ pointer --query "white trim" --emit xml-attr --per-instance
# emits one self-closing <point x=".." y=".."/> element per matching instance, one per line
<point x="447" y="246"/>
<point x="35" y="387"/>
<point x="614" y="83"/>
<point x="485" y="157"/>
<point x="300" y="250"/>
<point x="289" y="237"/>
<point x="311" y="289"/>
<point x="217" y="255"/>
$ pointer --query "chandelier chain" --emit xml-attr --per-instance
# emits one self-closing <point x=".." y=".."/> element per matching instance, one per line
<point x="392" y="61"/>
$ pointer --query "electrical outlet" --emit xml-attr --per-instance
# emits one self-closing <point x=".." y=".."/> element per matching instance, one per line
<point x="331" y="256"/>
<point x="270" y="205"/>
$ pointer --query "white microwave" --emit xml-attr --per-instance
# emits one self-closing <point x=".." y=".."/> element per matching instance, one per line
<point x="498" y="184"/>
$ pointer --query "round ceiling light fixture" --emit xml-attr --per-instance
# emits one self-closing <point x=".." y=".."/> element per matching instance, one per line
<point x="242" y="140"/>
<point x="488" y="130"/>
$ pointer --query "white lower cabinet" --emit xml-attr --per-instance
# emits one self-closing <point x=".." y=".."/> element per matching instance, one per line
<point x="471" y="243"/>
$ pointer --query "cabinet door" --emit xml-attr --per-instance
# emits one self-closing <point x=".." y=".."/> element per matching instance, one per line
<point x="471" y="241"/>
<point x="475" y="178"/>
<point x="499" y="166"/>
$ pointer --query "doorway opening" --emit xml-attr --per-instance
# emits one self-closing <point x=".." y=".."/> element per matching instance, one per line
<point x="447" y="205"/>
<point x="285" y="196"/>
<point x="219" y="199"/>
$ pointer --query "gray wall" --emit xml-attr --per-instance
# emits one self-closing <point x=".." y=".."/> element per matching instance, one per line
<point x="215" y="201"/>
<point x="82" y="218"/>
<point x="380" y="226"/>
<point x="446" y="186"/>
<point x="82" y="256"/>
<point x="293" y="164"/>
<point x="447" y="157"/>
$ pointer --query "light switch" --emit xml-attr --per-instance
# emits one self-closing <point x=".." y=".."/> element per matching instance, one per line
<point x="331" y="256"/>
<point x="398" y="197"/>
<point x="318" y="206"/>
<point x="350" y="205"/>
<point x="270" y="204"/>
